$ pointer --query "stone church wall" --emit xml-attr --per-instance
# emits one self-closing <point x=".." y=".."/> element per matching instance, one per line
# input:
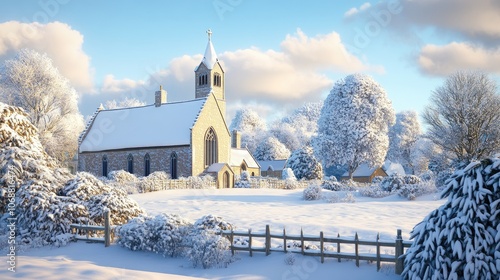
<point x="117" y="160"/>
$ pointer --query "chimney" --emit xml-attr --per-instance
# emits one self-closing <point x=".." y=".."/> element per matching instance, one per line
<point x="160" y="97"/>
<point x="236" y="139"/>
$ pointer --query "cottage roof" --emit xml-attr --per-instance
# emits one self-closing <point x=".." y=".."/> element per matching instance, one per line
<point x="145" y="126"/>
<point x="275" y="165"/>
<point x="363" y="170"/>
<point x="240" y="155"/>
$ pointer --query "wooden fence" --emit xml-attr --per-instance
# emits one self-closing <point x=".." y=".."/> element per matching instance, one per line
<point x="398" y="245"/>
<point x="78" y="229"/>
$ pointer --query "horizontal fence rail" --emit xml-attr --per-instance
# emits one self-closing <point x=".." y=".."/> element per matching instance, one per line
<point x="78" y="229"/>
<point x="398" y="245"/>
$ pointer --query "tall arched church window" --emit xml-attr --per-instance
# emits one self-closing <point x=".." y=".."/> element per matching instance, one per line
<point x="104" y="165"/>
<point x="147" y="165"/>
<point x="173" y="165"/>
<point x="210" y="147"/>
<point x="217" y="80"/>
<point x="130" y="164"/>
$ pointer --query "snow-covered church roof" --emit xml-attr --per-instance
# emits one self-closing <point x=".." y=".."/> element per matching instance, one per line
<point x="146" y="126"/>
<point x="240" y="155"/>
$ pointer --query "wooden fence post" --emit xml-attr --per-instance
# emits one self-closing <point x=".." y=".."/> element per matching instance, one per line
<point x="268" y="240"/>
<point x="231" y="237"/>
<point x="302" y="241"/>
<point x="284" y="240"/>
<point x="399" y="252"/>
<point x="338" y="246"/>
<point x="378" y="252"/>
<point x="321" y="246"/>
<point x="250" y="241"/>
<point x="107" y="228"/>
<point x="356" y="248"/>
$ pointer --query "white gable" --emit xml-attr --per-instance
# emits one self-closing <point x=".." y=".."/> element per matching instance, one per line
<point x="238" y="155"/>
<point x="146" y="126"/>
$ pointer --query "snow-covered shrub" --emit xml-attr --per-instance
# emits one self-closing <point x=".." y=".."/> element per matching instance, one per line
<point x="287" y="173"/>
<point x="349" y="198"/>
<point x="243" y="180"/>
<point x="212" y="223"/>
<point x="332" y="185"/>
<point x="377" y="179"/>
<point x="305" y="165"/>
<point x="200" y="182"/>
<point x="396" y="181"/>
<point x="427" y="176"/>
<point x="412" y="191"/>
<point x="460" y="239"/>
<point x="121" y="207"/>
<point x="312" y="192"/>
<point x="122" y="176"/>
<point x="154" y="182"/>
<point x="374" y="191"/>
<point x="291" y="184"/>
<point x="162" y="234"/>
<point x="441" y="178"/>
<point x="83" y="186"/>
<point x="210" y="250"/>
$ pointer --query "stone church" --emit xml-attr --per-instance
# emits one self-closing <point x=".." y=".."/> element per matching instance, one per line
<point x="187" y="138"/>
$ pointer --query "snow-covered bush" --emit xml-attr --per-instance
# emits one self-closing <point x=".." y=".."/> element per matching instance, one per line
<point x="122" y="176"/>
<point x="312" y="192"/>
<point x="460" y="239"/>
<point x="83" y="186"/>
<point x="305" y="165"/>
<point x="200" y="182"/>
<point x="377" y="179"/>
<point x="349" y="198"/>
<point x="441" y="178"/>
<point x="162" y="234"/>
<point x="287" y="173"/>
<point x="210" y="250"/>
<point x="374" y="191"/>
<point x="412" y="191"/>
<point x="291" y="184"/>
<point x="121" y="207"/>
<point x="396" y="181"/>
<point x="154" y="182"/>
<point x="243" y="180"/>
<point x="212" y="223"/>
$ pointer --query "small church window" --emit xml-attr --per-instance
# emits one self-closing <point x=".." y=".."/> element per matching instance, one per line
<point x="217" y="80"/>
<point x="130" y="163"/>
<point x="147" y="165"/>
<point x="173" y="165"/>
<point x="210" y="147"/>
<point x="104" y="165"/>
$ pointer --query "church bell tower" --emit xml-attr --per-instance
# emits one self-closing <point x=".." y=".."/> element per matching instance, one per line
<point x="209" y="76"/>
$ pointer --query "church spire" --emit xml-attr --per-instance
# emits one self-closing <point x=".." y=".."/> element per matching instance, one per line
<point x="210" y="57"/>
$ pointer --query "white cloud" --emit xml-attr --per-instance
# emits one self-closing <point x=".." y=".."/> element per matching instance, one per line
<point x="112" y="85"/>
<point x="354" y="10"/>
<point x="58" y="40"/>
<point x="446" y="59"/>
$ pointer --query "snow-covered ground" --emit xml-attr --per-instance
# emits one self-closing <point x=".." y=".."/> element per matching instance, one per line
<point x="245" y="208"/>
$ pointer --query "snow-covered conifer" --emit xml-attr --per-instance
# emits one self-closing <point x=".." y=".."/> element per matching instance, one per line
<point x="354" y="123"/>
<point x="403" y="136"/>
<point x="305" y="165"/>
<point x="461" y="239"/>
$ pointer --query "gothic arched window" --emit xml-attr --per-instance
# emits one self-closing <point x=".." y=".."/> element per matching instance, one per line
<point x="104" y="165"/>
<point x="173" y="165"/>
<point x="210" y="147"/>
<point x="130" y="163"/>
<point x="147" y="165"/>
<point x="217" y="80"/>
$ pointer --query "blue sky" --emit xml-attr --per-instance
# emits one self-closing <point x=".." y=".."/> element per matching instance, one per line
<point x="277" y="54"/>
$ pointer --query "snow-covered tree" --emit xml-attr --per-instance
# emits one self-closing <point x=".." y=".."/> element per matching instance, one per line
<point x="271" y="149"/>
<point x="31" y="82"/>
<point x="305" y="165"/>
<point x="464" y="118"/>
<point x="251" y="126"/>
<point x="296" y="130"/>
<point x="461" y="239"/>
<point x="124" y="103"/>
<point x="354" y="124"/>
<point x="402" y="138"/>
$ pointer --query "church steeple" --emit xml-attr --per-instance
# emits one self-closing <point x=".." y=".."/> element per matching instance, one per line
<point x="209" y="76"/>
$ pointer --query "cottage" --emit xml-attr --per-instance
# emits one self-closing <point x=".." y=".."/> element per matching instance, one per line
<point x="272" y="168"/>
<point x="365" y="174"/>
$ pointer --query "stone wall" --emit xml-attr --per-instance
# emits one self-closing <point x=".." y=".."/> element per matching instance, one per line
<point x="117" y="160"/>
